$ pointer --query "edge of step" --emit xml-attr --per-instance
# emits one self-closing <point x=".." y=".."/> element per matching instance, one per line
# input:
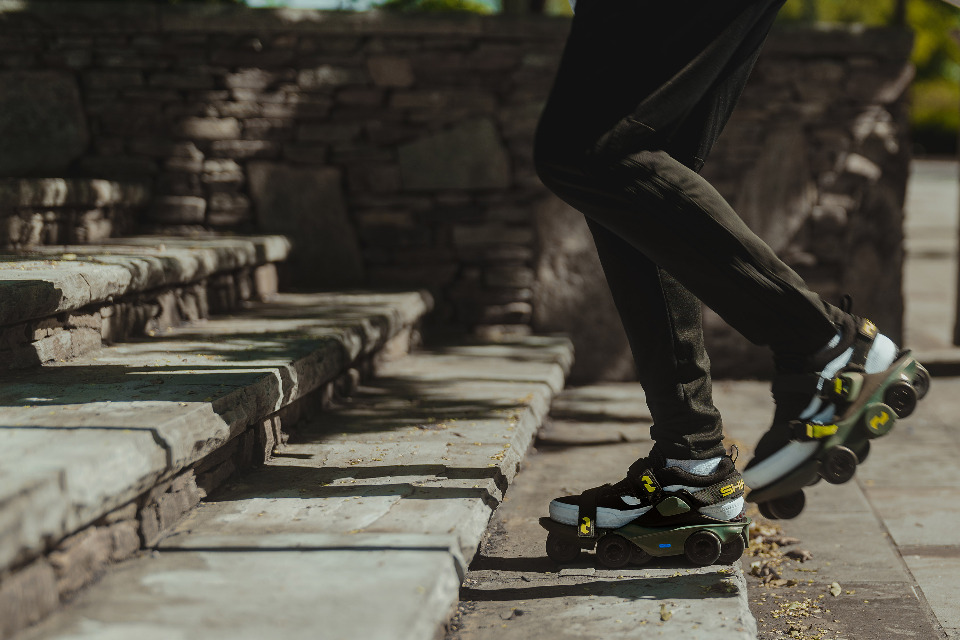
<point x="84" y="438"/>
<point x="50" y="280"/>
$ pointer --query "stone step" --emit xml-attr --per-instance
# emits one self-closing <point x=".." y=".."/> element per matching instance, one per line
<point x="58" y="303"/>
<point x="362" y="526"/>
<point x="101" y="454"/>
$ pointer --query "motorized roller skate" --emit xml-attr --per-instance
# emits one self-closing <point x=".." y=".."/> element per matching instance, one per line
<point x="702" y="544"/>
<point x="659" y="509"/>
<point x="856" y="398"/>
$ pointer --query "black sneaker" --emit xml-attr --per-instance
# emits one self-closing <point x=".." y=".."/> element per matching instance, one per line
<point x="655" y="495"/>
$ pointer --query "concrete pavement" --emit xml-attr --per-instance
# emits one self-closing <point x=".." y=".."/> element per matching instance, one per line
<point x="514" y="592"/>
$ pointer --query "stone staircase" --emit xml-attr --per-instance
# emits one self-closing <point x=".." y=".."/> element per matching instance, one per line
<point x="138" y="376"/>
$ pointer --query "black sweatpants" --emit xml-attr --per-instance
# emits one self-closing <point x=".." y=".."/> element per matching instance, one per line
<point x="643" y="91"/>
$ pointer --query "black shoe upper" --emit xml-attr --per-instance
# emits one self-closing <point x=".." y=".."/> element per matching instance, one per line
<point x="646" y="481"/>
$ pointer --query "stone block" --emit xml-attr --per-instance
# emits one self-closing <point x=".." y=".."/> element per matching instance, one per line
<point x="265" y="282"/>
<point x="149" y="525"/>
<point x="99" y="79"/>
<point x="374" y="178"/>
<point x="307" y="205"/>
<point x="222" y="170"/>
<point x="390" y="71"/>
<point x="179" y="210"/>
<point x="360" y="97"/>
<point x="27" y="596"/>
<point x="329" y="76"/>
<point x="244" y="149"/>
<point x="42" y="124"/>
<point x="328" y="132"/>
<point x="253" y="59"/>
<point x="164" y="148"/>
<point x="181" y="80"/>
<point x="509" y="276"/>
<point x="306" y="153"/>
<point x="242" y="109"/>
<point x="81" y="558"/>
<point x="259" y="79"/>
<point x="209" y="128"/>
<point x="268" y="129"/>
<point x="469" y="156"/>
<point x="124" y="539"/>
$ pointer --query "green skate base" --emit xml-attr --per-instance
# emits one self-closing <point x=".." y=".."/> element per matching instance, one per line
<point x="659" y="542"/>
<point x="851" y="433"/>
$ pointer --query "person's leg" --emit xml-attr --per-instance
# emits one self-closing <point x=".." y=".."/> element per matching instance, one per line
<point x="620" y="174"/>
<point x="661" y="316"/>
<point x="634" y="176"/>
<point x="663" y="324"/>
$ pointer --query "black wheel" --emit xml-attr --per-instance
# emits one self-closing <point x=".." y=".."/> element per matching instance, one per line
<point x="562" y="549"/>
<point x="639" y="556"/>
<point x="862" y="451"/>
<point x="731" y="550"/>
<point x="901" y="397"/>
<point x="702" y="548"/>
<point x="921" y="382"/>
<point x="614" y="552"/>
<point x="838" y="465"/>
<point x="785" y="507"/>
<point x="766" y="511"/>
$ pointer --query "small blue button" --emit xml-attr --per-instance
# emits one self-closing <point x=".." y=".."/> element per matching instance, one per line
<point x="665" y="546"/>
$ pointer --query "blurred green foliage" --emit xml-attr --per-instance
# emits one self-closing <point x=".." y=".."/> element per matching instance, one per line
<point x="935" y="108"/>
<point x="464" y="6"/>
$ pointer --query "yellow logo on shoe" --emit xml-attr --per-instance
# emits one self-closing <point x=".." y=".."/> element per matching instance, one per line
<point x="586" y="526"/>
<point x="878" y="421"/>
<point x="648" y="484"/>
<point x="868" y="329"/>
<point x="728" y="489"/>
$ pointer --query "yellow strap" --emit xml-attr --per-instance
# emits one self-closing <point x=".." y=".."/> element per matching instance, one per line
<point x="817" y="431"/>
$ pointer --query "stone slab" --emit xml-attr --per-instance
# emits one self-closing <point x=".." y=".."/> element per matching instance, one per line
<point x="939" y="578"/>
<point x="82" y="438"/>
<point x="362" y="526"/>
<point x="427" y="449"/>
<point x="71" y="277"/>
<point x="56" y="481"/>
<point x="234" y="595"/>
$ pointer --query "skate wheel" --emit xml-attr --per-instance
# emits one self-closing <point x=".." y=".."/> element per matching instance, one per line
<point x="838" y="465"/>
<point x="862" y="452"/>
<point x="731" y="550"/>
<point x="561" y="549"/>
<point x="901" y="397"/>
<point x="878" y="420"/>
<point x="613" y="551"/>
<point x="639" y="556"/>
<point x="702" y="548"/>
<point x="921" y="382"/>
<point x="783" y="508"/>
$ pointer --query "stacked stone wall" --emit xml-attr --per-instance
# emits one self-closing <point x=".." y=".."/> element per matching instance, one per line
<point x="397" y="150"/>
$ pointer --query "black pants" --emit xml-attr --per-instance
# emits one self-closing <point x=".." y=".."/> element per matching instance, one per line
<point x="643" y="90"/>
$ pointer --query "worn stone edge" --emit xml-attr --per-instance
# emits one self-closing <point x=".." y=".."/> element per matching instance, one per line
<point x="360" y="340"/>
<point x="18" y="193"/>
<point x="184" y="264"/>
